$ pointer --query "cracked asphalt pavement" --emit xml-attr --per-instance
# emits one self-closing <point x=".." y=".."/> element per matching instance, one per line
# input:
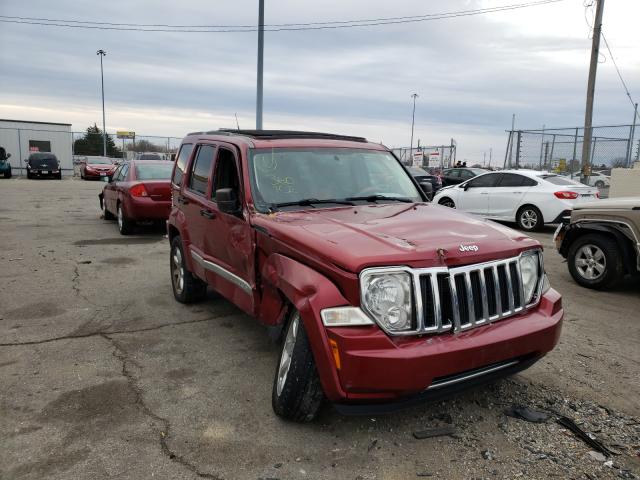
<point x="104" y="375"/>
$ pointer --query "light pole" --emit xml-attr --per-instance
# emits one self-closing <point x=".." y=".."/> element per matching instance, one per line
<point x="102" y="53"/>
<point x="413" y="119"/>
<point x="260" y="64"/>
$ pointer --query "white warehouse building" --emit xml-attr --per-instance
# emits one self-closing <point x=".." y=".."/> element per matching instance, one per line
<point x="21" y="138"/>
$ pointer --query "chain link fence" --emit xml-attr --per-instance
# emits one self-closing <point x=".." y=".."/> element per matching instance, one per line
<point x="560" y="150"/>
<point x="72" y="147"/>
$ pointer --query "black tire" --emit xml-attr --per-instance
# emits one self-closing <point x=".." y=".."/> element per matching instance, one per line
<point x="29" y="176"/>
<point x="447" y="202"/>
<point x="186" y="287"/>
<point x="599" y="184"/>
<point x="125" y="226"/>
<point x="59" y="177"/>
<point x="297" y="393"/>
<point x="107" y="214"/>
<point x="7" y="174"/>
<point x="529" y="218"/>
<point x="595" y="261"/>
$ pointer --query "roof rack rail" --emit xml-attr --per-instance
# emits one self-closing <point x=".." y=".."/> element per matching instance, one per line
<point x="284" y="134"/>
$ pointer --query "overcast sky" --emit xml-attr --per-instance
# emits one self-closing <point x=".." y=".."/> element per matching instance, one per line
<point x="471" y="73"/>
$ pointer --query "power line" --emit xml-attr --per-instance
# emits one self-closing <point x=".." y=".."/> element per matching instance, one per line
<point x="624" y="84"/>
<point x="337" y="24"/>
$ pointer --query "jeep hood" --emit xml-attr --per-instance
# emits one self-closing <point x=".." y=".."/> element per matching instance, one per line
<point x="417" y="235"/>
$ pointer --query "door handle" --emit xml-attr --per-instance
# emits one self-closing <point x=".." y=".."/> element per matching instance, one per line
<point x="484" y="193"/>
<point x="207" y="213"/>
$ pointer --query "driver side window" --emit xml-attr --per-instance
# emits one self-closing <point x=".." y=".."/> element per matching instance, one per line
<point x="488" y="180"/>
<point x="226" y="173"/>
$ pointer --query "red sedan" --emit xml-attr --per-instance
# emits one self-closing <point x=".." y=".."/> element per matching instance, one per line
<point x="97" y="167"/>
<point x="138" y="191"/>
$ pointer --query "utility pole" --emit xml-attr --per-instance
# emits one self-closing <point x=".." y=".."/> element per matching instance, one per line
<point x="413" y="119"/>
<point x="490" y="156"/>
<point x="260" y="64"/>
<point x="631" y="136"/>
<point x="591" y="87"/>
<point x="513" y="127"/>
<point x="102" y="53"/>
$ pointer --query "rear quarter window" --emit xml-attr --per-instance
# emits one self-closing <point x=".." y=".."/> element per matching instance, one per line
<point x="181" y="163"/>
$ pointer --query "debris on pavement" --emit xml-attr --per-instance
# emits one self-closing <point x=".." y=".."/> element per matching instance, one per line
<point x="584" y="436"/>
<point x="526" y="413"/>
<point x="447" y="430"/>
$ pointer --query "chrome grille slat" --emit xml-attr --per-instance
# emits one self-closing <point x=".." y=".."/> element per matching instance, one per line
<point x="507" y="272"/>
<point x="454" y="302"/>
<point x="436" y="301"/>
<point x="470" y="304"/>
<point x="483" y="293"/>
<point x="451" y="303"/>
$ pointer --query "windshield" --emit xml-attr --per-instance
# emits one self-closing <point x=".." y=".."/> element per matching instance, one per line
<point x="39" y="159"/>
<point x="99" y="161"/>
<point x="149" y="156"/>
<point x="288" y="175"/>
<point x="558" y="180"/>
<point x="154" y="171"/>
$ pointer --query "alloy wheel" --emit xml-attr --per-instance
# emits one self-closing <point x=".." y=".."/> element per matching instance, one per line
<point x="590" y="262"/>
<point x="448" y="203"/>
<point x="120" y="218"/>
<point x="287" y="353"/>
<point x="177" y="270"/>
<point x="529" y="219"/>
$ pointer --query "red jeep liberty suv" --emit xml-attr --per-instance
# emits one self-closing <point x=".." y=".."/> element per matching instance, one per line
<point x="381" y="298"/>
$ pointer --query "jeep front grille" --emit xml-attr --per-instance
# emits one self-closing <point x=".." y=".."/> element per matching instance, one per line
<point x="465" y="297"/>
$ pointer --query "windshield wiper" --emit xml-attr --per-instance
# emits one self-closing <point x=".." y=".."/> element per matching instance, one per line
<point x="374" y="198"/>
<point x="309" y="202"/>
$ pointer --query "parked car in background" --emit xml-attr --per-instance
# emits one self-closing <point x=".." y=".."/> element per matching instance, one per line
<point x="425" y="180"/>
<point x="455" y="176"/>
<point x="528" y="197"/>
<point x="601" y="241"/>
<point x="138" y="191"/>
<point x="5" y="166"/>
<point x="597" y="179"/>
<point x="96" y="168"/>
<point x="373" y="291"/>
<point x="44" y="164"/>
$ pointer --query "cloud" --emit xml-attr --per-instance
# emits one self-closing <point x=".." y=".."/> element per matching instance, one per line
<point x="471" y="73"/>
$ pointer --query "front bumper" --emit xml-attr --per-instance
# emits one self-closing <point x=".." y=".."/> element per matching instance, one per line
<point x="97" y="175"/>
<point x="378" y="369"/>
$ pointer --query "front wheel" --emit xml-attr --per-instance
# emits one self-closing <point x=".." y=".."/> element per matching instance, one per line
<point x="7" y="174"/>
<point x="297" y="394"/>
<point x="447" y="202"/>
<point x="186" y="287"/>
<point x="595" y="261"/>
<point x="600" y="184"/>
<point x="529" y="218"/>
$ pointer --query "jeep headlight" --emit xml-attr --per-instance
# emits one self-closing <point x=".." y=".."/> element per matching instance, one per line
<point x="530" y="272"/>
<point x="387" y="298"/>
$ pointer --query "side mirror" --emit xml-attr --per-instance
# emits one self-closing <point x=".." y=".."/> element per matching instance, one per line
<point x="466" y="186"/>
<point x="227" y="201"/>
<point x="8" y="156"/>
